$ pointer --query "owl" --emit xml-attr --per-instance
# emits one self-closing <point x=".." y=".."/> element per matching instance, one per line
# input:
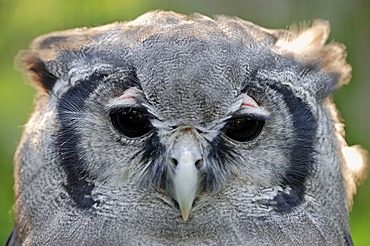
<point x="185" y="130"/>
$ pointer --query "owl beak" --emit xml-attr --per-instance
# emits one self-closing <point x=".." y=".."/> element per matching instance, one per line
<point x="185" y="155"/>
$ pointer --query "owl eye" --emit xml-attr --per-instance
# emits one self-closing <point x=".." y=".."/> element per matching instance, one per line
<point x="243" y="129"/>
<point x="130" y="122"/>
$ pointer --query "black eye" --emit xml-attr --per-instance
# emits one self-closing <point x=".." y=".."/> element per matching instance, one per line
<point x="130" y="122"/>
<point x="243" y="129"/>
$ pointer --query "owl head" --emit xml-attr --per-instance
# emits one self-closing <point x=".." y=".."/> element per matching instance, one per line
<point x="193" y="112"/>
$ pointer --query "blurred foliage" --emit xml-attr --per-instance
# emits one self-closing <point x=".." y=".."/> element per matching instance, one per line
<point x="23" y="20"/>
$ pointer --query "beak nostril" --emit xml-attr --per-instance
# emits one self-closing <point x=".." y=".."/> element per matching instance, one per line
<point x="174" y="162"/>
<point x="198" y="164"/>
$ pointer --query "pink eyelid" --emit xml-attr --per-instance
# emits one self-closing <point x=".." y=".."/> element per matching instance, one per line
<point x="249" y="102"/>
<point x="131" y="93"/>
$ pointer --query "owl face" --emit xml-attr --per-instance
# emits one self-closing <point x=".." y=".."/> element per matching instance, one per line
<point x="187" y="123"/>
<point x="193" y="111"/>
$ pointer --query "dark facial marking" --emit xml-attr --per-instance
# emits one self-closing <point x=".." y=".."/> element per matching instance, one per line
<point x="217" y="170"/>
<point x="152" y="157"/>
<point x="78" y="185"/>
<point x="302" y="151"/>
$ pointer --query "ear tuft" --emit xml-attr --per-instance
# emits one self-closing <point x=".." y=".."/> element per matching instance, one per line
<point x="304" y="37"/>
<point x="333" y="59"/>
<point x="37" y="71"/>
<point x="307" y="45"/>
<point x="44" y="62"/>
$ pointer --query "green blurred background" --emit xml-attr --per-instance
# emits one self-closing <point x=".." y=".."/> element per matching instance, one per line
<point x="23" y="20"/>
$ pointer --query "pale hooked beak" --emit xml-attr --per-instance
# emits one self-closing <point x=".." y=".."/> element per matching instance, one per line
<point x="186" y="156"/>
